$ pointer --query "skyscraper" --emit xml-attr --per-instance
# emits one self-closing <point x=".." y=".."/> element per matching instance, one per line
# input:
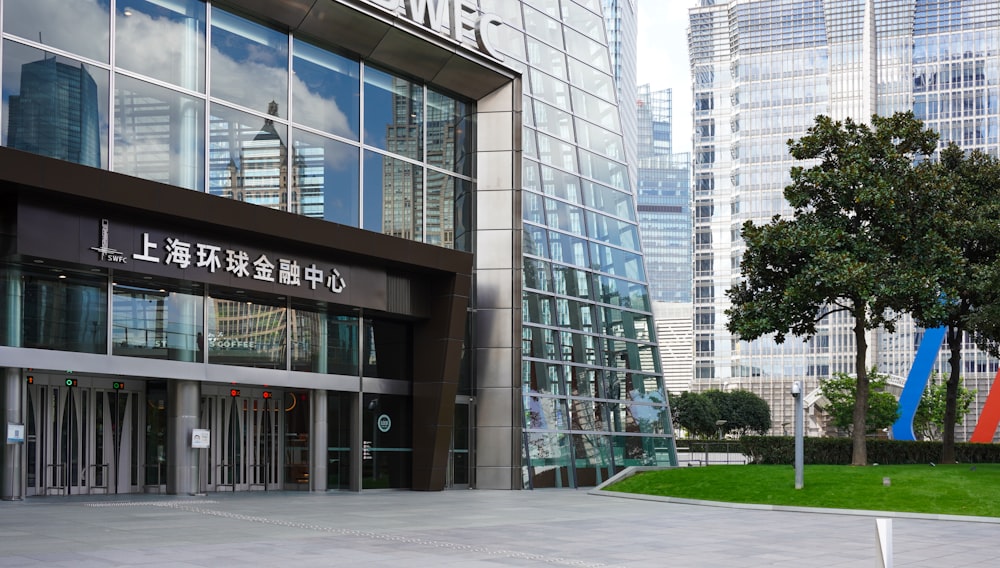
<point x="762" y="70"/>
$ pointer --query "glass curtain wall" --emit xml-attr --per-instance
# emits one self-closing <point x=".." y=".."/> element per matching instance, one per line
<point x="592" y="389"/>
<point x="277" y="120"/>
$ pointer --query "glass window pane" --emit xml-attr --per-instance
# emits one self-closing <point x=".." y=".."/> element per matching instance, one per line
<point x="326" y="91"/>
<point x="159" y="134"/>
<point x="556" y="152"/>
<point x="249" y="64"/>
<point x="81" y="27"/>
<point x="608" y="200"/>
<point x="542" y="26"/>
<point x="64" y="311"/>
<point x="449" y="133"/>
<point x="247" y="158"/>
<point x="393" y="197"/>
<point x="600" y="84"/>
<point x="249" y="333"/>
<point x="56" y="107"/>
<point x="387" y="351"/>
<point x="617" y="262"/>
<point x="157" y="323"/>
<point x="325" y="179"/>
<point x="443" y="213"/>
<point x="546" y="57"/>
<point x="164" y="40"/>
<point x="325" y="342"/>
<point x="393" y="114"/>
<point x="588" y="50"/>
<point x="553" y="121"/>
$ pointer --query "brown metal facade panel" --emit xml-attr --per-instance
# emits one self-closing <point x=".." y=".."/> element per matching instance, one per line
<point x="437" y="357"/>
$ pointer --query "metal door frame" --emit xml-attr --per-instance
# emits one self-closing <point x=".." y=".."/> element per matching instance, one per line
<point x="64" y="423"/>
<point x="247" y="439"/>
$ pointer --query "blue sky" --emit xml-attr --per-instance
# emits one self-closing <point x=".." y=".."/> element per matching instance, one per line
<point x="663" y="59"/>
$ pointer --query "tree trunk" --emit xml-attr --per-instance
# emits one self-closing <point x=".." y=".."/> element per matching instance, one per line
<point x="859" y="455"/>
<point x="951" y="395"/>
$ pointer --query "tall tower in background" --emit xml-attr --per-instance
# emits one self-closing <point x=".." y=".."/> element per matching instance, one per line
<point x="664" y="206"/>
<point x="761" y="71"/>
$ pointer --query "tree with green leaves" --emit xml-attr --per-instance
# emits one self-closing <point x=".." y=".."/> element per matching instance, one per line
<point x="743" y="411"/>
<point x="854" y="242"/>
<point x="841" y="391"/>
<point x="932" y="412"/>
<point x="748" y="413"/>
<point x="967" y="214"/>
<point x="695" y="413"/>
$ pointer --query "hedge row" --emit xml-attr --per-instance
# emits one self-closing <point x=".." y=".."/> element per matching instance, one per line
<point x="837" y="451"/>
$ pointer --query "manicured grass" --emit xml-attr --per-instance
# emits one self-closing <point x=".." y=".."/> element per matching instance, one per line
<point x="961" y="489"/>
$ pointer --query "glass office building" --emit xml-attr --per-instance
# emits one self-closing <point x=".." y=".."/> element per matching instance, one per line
<point x="761" y="71"/>
<point x="318" y="246"/>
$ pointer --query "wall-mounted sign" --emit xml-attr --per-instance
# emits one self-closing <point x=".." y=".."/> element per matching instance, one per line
<point x="199" y="252"/>
<point x="384" y="423"/>
<point x="461" y="20"/>
<point x="201" y="438"/>
<point x="15" y="433"/>
<point x="211" y="257"/>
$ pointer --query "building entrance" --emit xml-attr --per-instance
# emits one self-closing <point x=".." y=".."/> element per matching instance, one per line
<point x="246" y="426"/>
<point x="84" y="435"/>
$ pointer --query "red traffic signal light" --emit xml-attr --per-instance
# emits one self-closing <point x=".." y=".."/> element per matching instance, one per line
<point x="234" y="392"/>
<point x="31" y="379"/>
<point x="267" y="394"/>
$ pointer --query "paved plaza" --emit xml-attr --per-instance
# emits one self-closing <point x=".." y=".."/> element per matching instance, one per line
<point x="558" y="527"/>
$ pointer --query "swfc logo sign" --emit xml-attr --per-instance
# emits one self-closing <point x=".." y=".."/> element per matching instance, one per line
<point x="462" y="20"/>
<point x="107" y="253"/>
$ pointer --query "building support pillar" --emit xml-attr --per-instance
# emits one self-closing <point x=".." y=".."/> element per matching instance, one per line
<point x="183" y="401"/>
<point x="318" y="458"/>
<point x="11" y="468"/>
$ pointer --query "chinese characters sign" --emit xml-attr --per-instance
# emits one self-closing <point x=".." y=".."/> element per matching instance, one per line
<point x="238" y="263"/>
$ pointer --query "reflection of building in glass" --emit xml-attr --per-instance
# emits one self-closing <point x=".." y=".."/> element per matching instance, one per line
<point x="402" y="182"/>
<point x="257" y="172"/>
<point x="146" y="121"/>
<point x="57" y="113"/>
<point x="246" y="333"/>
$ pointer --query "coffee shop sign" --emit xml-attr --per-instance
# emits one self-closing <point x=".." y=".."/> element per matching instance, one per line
<point x="462" y="20"/>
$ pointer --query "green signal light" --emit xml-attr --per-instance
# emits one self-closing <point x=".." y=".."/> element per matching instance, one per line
<point x="118" y="385"/>
<point x="71" y="382"/>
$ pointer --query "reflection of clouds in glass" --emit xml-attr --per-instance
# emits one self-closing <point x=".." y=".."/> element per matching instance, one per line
<point x="52" y="22"/>
<point x="642" y="412"/>
<point x="252" y="84"/>
<point x="161" y="48"/>
<point x="317" y="111"/>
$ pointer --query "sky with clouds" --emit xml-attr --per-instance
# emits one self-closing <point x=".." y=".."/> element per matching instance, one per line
<point x="663" y="59"/>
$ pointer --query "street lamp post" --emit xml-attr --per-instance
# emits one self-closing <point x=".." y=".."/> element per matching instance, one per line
<point x="797" y="395"/>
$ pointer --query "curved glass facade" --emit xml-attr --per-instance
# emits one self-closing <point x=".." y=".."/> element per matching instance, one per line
<point x="592" y="388"/>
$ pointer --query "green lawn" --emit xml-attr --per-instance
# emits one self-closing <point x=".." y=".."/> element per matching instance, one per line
<point x="961" y="489"/>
